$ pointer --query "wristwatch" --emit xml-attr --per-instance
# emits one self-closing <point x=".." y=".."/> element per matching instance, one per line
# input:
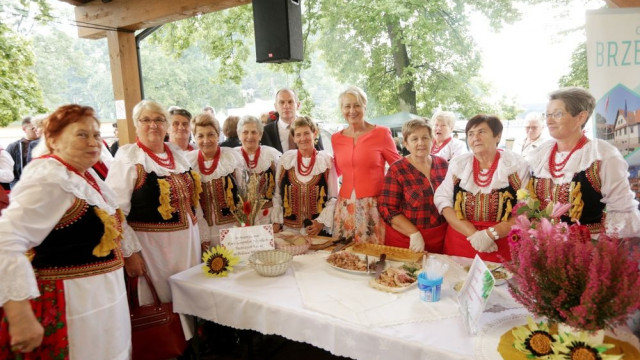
<point x="493" y="232"/>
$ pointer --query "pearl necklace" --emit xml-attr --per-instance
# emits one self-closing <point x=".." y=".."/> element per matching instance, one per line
<point x="169" y="162"/>
<point x="306" y="170"/>
<point x="481" y="179"/>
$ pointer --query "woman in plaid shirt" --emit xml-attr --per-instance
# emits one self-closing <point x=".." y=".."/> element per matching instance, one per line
<point x="406" y="201"/>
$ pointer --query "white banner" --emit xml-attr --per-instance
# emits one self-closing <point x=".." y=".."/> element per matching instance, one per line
<point x="613" y="58"/>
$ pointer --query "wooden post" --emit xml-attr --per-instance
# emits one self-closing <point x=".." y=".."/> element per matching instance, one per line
<point x="126" y="81"/>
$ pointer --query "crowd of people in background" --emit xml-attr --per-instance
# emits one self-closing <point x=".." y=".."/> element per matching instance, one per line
<point x="153" y="206"/>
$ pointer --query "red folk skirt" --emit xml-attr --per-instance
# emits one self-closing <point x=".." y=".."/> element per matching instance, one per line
<point x="456" y="244"/>
<point x="433" y="238"/>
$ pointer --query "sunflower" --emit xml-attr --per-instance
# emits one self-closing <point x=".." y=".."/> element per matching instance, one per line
<point x="533" y="339"/>
<point x="218" y="261"/>
<point x="579" y="347"/>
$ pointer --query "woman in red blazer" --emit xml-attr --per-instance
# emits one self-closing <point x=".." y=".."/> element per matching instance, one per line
<point x="361" y="151"/>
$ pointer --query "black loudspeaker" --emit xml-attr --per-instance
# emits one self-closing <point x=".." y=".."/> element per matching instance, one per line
<point x="278" y="28"/>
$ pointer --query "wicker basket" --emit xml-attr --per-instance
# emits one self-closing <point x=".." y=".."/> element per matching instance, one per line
<point x="293" y="249"/>
<point x="270" y="262"/>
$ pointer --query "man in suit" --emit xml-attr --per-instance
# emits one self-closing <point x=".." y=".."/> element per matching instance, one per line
<point x="276" y="134"/>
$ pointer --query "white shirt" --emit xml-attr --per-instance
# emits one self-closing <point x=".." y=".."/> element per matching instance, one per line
<point x="283" y="131"/>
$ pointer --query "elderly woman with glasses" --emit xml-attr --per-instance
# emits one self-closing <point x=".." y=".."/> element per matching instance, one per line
<point x="406" y="200"/>
<point x="307" y="184"/>
<point x="159" y="193"/>
<point x="180" y="128"/>
<point x="59" y="299"/>
<point x="589" y="174"/>
<point x="444" y="145"/>
<point x="479" y="192"/>
<point x="260" y="160"/>
<point x="219" y="168"/>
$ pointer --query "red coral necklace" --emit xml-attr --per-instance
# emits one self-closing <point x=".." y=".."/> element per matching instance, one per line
<point x="251" y="163"/>
<point x="169" y="162"/>
<point x="555" y="168"/>
<point x="306" y="170"/>
<point x="481" y="179"/>
<point x="86" y="176"/>
<point x="436" y="149"/>
<point x="203" y="168"/>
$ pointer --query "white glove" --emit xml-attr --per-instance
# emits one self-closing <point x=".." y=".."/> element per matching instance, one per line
<point x="482" y="242"/>
<point x="416" y="242"/>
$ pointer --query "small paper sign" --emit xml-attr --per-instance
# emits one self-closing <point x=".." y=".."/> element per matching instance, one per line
<point x="475" y="293"/>
<point x="248" y="239"/>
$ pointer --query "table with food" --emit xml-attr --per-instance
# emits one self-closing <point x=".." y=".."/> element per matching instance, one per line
<point x="360" y="301"/>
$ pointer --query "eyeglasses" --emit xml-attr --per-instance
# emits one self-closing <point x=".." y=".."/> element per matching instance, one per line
<point x="182" y="112"/>
<point x="158" y="121"/>
<point x="527" y="128"/>
<point x="556" y="115"/>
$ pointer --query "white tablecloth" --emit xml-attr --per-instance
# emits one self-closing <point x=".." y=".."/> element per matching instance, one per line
<point x="246" y="300"/>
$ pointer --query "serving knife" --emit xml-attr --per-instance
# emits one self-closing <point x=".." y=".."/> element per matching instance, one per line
<point x="379" y="265"/>
<point x="341" y="244"/>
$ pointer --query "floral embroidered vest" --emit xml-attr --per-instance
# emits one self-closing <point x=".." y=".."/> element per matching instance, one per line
<point x="495" y="206"/>
<point x="585" y="185"/>
<point x="219" y="199"/>
<point x="164" y="203"/>
<point x="68" y="251"/>
<point x="302" y="201"/>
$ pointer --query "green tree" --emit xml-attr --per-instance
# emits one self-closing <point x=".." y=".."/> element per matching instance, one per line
<point x="20" y="93"/>
<point x="413" y="55"/>
<point x="578" y="74"/>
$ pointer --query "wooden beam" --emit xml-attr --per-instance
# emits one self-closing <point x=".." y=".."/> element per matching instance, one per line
<point x="623" y="3"/>
<point x="126" y="82"/>
<point x="141" y="14"/>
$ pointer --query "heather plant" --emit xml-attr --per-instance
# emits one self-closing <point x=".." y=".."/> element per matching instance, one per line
<point x="561" y="273"/>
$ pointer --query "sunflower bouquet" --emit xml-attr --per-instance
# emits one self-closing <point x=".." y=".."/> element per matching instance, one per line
<point x="562" y="274"/>
<point x="251" y="198"/>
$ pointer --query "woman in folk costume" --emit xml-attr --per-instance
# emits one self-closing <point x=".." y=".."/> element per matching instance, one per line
<point x="72" y="291"/>
<point x="219" y="169"/>
<point x="159" y="194"/>
<point x="479" y="192"/>
<point x="307" y="185"/>
<point x="591" y="175"/>
<point x="259" y="160"/>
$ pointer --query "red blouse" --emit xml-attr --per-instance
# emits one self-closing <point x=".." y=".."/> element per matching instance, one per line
<point x="362" y="164"/>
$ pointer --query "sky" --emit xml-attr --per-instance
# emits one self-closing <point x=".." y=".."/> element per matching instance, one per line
<point x="524" y="61"/>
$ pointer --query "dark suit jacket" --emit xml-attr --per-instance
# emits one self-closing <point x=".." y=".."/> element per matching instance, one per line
<point x="231" y="142"/>
<point x="271" y="137"/>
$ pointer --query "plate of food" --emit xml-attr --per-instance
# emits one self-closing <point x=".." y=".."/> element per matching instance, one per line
<point x="397" y="279"/>
<point x="349" y="262"/>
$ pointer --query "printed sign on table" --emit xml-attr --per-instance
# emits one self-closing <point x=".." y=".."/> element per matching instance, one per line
<point x="248" y="239"/>
<point x="475" y="293"/>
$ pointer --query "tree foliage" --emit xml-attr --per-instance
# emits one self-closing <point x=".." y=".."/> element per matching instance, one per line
<point x="578" y="74"/>
<point x="412" y="55"/>
<point x="20" y="93"/>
